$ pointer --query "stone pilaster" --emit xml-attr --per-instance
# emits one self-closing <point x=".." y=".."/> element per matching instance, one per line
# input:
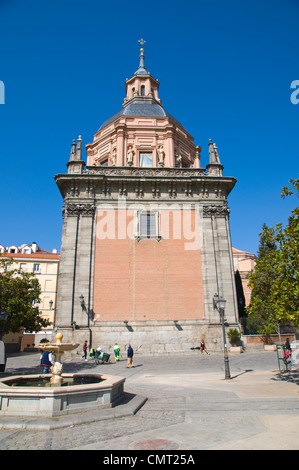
<point x="218" y="273"/>
<point x="76" y="265"/>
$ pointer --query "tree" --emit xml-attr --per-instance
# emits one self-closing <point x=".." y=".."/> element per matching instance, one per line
<point x="18" y="291"/>
<point x="286" y="283"/>
<point x="275" y="280"/>
<point x="262" y="303"/>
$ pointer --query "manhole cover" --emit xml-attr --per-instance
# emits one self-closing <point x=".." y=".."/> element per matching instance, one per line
<point x="156" y="444"/>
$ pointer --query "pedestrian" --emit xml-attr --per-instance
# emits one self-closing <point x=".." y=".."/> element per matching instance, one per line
<point x="100" y="352"/>
<point x="84" y="350"/>
<point x="203" y="347"/>
<point x="130" y="354"/>
<point x="287" y="347"/>
<point x="116" y="350"/>
<point x="46" y="360"/>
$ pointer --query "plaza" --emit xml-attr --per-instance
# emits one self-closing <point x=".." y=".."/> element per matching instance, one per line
<point x="175" y="402"/>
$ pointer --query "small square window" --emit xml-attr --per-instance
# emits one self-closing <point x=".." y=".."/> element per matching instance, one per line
<point x="145" y="159"/>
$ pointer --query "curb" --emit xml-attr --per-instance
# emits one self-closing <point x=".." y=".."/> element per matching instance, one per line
<point x="128" y="407"/>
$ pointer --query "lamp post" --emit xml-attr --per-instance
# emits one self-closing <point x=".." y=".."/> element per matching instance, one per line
<point x="219" y="305"/>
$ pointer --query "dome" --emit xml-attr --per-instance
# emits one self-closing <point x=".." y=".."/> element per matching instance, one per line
<point x="143" y="107"/>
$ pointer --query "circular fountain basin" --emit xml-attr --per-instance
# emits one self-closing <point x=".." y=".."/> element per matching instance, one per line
<point x="33" y="395"/>
<point x="45" y="381"/>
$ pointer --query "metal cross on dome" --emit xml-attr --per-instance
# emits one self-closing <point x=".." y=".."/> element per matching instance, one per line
<point x="142" y="41"/>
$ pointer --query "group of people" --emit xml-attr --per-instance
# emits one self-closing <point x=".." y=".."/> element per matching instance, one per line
<point x="47" y="358"/>
<point x="130" y="354"/>
<point x="116" y="350"/>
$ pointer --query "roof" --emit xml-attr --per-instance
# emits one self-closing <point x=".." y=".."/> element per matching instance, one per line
<point x="141" y="107"/>
<point x="243" y="253"/>
<point x="39" y="254"/>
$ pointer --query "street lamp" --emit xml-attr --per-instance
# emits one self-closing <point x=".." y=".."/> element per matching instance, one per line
<point x="219" y="305"/>
<point x="51" y="304"/>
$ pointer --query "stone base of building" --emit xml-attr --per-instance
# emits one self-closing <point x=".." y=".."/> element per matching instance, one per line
<point x="149" y="338"/>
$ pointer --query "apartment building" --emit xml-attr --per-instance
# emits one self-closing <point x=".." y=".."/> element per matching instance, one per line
<point x="44" y="264"/>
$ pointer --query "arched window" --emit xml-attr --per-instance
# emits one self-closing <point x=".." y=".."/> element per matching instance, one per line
<point x="142" y="90"/>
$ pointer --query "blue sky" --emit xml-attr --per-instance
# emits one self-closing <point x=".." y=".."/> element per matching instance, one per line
<point x="225" y="71"/>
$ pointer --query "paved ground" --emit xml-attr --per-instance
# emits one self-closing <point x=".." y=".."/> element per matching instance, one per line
<point x="189" y="406"/>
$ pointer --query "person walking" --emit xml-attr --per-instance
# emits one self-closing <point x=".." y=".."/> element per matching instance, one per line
<point x="46" y="360"/>
<point x="286" y="350"/>
<point x="203" y="347"/>
<point x="84" y="350"/>
<point x="288" y="347"/>
<point x="130" y="354"/>
<point x="116" y="350"/>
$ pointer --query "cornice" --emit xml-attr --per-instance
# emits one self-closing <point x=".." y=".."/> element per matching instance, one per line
<point x="145" y="172"/>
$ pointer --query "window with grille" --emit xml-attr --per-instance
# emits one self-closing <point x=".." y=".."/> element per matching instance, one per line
<point x="148" y="225"/>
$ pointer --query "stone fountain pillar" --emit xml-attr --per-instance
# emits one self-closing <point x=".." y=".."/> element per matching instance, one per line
<point x="58" y="350"/>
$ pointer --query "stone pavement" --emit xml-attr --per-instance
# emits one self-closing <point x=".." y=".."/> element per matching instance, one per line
<point x="189" y="406"/>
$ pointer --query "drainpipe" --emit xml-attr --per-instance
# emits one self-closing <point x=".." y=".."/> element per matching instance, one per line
<point x="90" y="280"/>
<point x="74" y="272"/>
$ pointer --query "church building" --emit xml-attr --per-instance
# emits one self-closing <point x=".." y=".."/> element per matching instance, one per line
<point x="146" y="238"/>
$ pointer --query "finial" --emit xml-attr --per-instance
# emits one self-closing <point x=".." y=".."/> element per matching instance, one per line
<point x="142" y="41"/>
<point x="73" y="150"/>
<point x="141" y="69"/>
<point x="79" y="149"/>
<point x="59" y="337"/>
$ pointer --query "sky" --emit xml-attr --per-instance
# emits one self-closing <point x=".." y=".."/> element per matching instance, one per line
<point x="225" y="71"/>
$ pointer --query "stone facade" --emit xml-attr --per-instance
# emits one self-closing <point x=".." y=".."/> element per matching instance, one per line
<point x="146" y="238"/>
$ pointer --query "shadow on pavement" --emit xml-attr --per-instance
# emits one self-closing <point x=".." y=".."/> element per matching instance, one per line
<point x="242" y="373"/>
<point x="292" y="377"/>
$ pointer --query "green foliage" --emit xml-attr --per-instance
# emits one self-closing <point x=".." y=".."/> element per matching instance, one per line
<point x="44" y="340"/>
<point x="18" y="291"/>
<point x="267" y="329"/>
<point x="275" y="280"/>
<point x="252" y="325"/>
<point x="233" y="335"/>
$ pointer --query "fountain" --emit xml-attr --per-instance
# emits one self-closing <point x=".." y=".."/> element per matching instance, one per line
<point x="58" y="350"/>
<point x="58" y="394"/>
